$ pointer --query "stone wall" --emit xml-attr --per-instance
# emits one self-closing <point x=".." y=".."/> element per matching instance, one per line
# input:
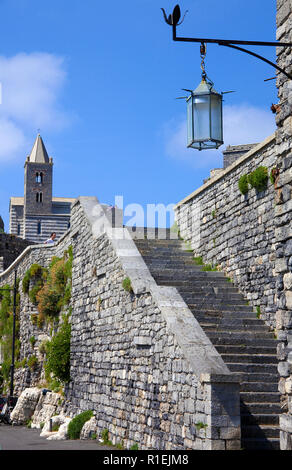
<point x="236" y="232"/>
<point x="140" y="360"/>
<point x="283" y="216"/>
<point x="251" y="237"/>
<point x="10" y="248"/>
<point x="41" y="254"/>
<point x="150" y="380"/>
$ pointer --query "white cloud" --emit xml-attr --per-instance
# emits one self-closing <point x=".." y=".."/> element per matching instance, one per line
<point x="243" y="124"/>
<point x="31" y="84"/>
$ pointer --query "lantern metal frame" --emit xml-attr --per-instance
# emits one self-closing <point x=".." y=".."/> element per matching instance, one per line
<point x="173" y="20"/>
<point x="200" y="143"/>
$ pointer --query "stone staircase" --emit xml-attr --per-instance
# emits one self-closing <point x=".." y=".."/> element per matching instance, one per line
<point x="245" y="343"/>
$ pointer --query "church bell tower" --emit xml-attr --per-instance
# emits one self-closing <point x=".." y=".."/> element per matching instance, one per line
<point x="38" y="183"/>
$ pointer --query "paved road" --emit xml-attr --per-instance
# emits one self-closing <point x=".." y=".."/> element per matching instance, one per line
<point x="22" y="438"/>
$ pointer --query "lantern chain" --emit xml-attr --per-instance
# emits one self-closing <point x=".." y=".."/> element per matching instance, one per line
<point x="203" y="56"/>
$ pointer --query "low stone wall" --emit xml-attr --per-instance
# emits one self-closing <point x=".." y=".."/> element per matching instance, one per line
<point x="234" y="231"/>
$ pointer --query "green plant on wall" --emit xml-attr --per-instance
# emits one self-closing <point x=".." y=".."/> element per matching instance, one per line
<point x="127" y="284"/>
<point x="258" y="311"/>
<point x="58" y="353"/>
<point x="32" y="362"/>
<point x="51" y="289"/>
<point x="258" y="179"/>
<point x="243" y="184"/>
<point x="33" y="280"/>
<point x="77" y="423"/>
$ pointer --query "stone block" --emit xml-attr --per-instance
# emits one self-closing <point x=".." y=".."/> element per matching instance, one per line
<point x="289" y="300"/>
<point x="233" y="445"/>
<point x="230" y="433"/>
<point x="285" y="441"/>
<point x="286" y="423"/>
<point x="284" y="369"/>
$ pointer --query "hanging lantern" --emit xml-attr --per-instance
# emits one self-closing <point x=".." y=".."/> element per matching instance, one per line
<point x="204" y="113"/>
<point x="204" y="116"/>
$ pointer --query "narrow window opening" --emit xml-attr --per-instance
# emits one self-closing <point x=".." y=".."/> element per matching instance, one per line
<point x="18" y="229"/>
<point x="39" y="228"/>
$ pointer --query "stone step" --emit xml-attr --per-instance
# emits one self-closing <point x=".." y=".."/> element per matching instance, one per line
<point x="208" y="327"/>
<point x="197" y="280"/>
<point x="262" y="368"/>
<point x="239" y="337"/>
<point x="217" y="315"/>
<point x="260" y="397"/>
<point x="260" y="444"/>
<point x="259" y="387"/>
<point x="166" y="251"/>
<point x="260" y="408"/>
<point x="179" y="272"/>
<point x="242" y="349"/>
<point x="241" y="309"/>
<point x="158" y="242"/>
<point x="216" y="303"/>
<point x="169" y="258"/>
<point x="259" y="420"/>
<point x="249" y="359"/>
<point x="226" y="286"/>
<point x="220" y="296"/>
<point x="252" y="377"/>
<point x="240" y="340"/>
<point x="229" y="321"/>
<point x="267" y="431"/>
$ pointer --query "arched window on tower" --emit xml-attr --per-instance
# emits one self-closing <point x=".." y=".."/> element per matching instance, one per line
<point x="39" y="177"/>
<point x="39" y="197"/>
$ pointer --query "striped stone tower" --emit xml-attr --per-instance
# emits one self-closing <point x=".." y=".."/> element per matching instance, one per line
<point x="36" y="215"/>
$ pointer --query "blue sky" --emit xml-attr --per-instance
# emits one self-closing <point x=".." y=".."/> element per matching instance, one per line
<point x="99" y="79"/>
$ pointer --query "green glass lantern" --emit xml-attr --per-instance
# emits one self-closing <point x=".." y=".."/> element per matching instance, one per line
<point x="204" y="117"/>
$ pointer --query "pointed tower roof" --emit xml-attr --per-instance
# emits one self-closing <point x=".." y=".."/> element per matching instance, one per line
<point x="39" y="153"/>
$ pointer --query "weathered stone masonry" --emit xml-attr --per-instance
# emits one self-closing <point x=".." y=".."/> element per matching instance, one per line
<point x="128" y="360"/>
<point x="139" y="360"/>
<point x="236" y="232"/>
<point x="283" y="215"/>
<point x="10" y="248"/>
<point x="251" y="237"/>
<point x="41" y="254"/>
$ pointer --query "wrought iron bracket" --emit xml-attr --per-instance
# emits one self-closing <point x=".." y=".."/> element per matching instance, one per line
<point x="174" y="21"/>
